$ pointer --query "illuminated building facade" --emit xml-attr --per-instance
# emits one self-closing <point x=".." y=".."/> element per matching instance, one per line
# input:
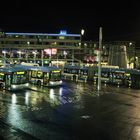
<point x="38" y="46"/>
<point x="44" y="48"/>
<point x="120" y="53"/>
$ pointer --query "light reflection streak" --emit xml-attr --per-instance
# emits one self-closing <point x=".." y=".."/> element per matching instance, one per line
<point x="27" y="94"/>
<point x="56" y="96"/>
<point x="14" y="99"/>
<point x="14" y="115"/>
<point x="60" y="91"/>
<point x="52" y="95"/>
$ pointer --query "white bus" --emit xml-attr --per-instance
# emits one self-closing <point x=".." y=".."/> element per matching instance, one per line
<point x="43" y="76"/>
<point x="13" y="78"/>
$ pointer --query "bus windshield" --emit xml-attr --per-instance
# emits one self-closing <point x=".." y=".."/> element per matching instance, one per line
<point x="1" y="76"/>
<point x="55" y="76"/>
<point x="19" y="79"/>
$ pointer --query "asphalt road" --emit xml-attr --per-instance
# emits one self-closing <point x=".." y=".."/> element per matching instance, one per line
<point x="75" y="111"/>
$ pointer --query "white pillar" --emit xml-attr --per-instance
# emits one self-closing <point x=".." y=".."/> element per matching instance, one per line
<point x="99" y="62"/>
<point x="42" y="57"/>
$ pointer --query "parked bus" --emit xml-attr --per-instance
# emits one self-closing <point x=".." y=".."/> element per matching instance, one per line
<point x="43" y="76"/>
<point x="13" y="78"/>
<point x="109" y="74"/>
<point x="71" y="71"/>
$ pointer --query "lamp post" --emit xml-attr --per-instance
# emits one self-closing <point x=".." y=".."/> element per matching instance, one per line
<point x="130" y="44"/>
<point x="26" y="55"/>
<point x="4" y="53"/>
<point x="42" y="56"/>
<point x="82" y="33"/>
<point x="19" y="53"/>
<point x="50" y="57"/>
<point x="65" y="54"/>
<point x="99" y="62"/>
<point x="81" y="44"/>
<point x="135" y="58"/>
<point x="35" y="52"/>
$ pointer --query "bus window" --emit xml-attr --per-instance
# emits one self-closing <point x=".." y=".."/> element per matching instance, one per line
<point x="55" y="76"/>
<point x="33" y="73"/>
<point x="1" y="76"/>
<point x="39" y="74"/>
<point x="19" y="78"/>
<point x="46" y="78"/>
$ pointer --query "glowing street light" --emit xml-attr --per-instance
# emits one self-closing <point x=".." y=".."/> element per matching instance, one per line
<point x="82" y="32"/>
<point x="19" y="52"/>
<point x="42" y="57"/>
<point x="130" y="43"/>
<point x="34" y="52"/>
<point x="65" y="54"/>
<point x="99" y="62"/>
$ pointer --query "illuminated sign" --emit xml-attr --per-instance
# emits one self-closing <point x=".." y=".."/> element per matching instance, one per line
<point x="1" y="73"/>
<point x="61" y="37"/>
<point x="56" y="71"/>
<point x="50" y="51"/>
<point x="127" y="74"/>
<point x="39" y="72"/>
<point x="63" y="32"/>
<point x="20" y="72"/>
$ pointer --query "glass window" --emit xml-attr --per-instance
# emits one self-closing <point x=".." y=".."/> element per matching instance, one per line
<point x="1" y="76"/>
<point x="61" y="37"/>
<point x="39" y="74"/>
<point x="55" y="76"/>
<point x="19" y="78"/>
<point x="34" y="73"/>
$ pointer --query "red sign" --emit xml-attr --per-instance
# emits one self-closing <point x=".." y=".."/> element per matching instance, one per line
<point x="50" y="51"/>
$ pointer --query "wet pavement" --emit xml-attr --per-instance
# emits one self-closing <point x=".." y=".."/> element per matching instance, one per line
<point x="74" y="111"/>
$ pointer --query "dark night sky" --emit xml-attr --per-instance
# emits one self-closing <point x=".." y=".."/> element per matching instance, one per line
<point x="120" y="20"/>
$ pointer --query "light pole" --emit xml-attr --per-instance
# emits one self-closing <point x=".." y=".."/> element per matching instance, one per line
<point x="135" y="58"/>
<point x="82" y="33"/>
<point x="72" y="57"/>
<point x="26" y="55"/>
<point x="50" y="57"/>
<point x="130" y="44"/>
<point x="42" y="56"/>
<point x="19" y="52"/>
<point x="99" y="62"/>
<point x="35" y="52"/>
<point x="4" y="53"/>
<point x="65" y="54"/>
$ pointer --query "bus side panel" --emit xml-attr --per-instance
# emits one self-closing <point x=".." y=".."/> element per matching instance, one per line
<point x="45" y="79"/>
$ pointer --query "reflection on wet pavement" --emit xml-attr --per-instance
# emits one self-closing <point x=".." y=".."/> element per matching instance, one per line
<point x="72" y="112"/>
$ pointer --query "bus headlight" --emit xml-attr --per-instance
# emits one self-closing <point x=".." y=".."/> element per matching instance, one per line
<point x="14" y="86"/>
<point x="27" y="84"/>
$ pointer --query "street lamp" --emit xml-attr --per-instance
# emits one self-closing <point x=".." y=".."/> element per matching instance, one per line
<point x="50" y="57"/>
<point x="4" y="53"/>
<point x="34" y="52"/>
<point x="42" y="57"/>
<point x="26" y="55"/>
<point x="99" y="62"/>
<point x="19" y="52"/>
<point x="65" y="54"/>
<point x="82" y="33"/>
<point x="135" y="58"/>
<point x="132" y="49"/>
